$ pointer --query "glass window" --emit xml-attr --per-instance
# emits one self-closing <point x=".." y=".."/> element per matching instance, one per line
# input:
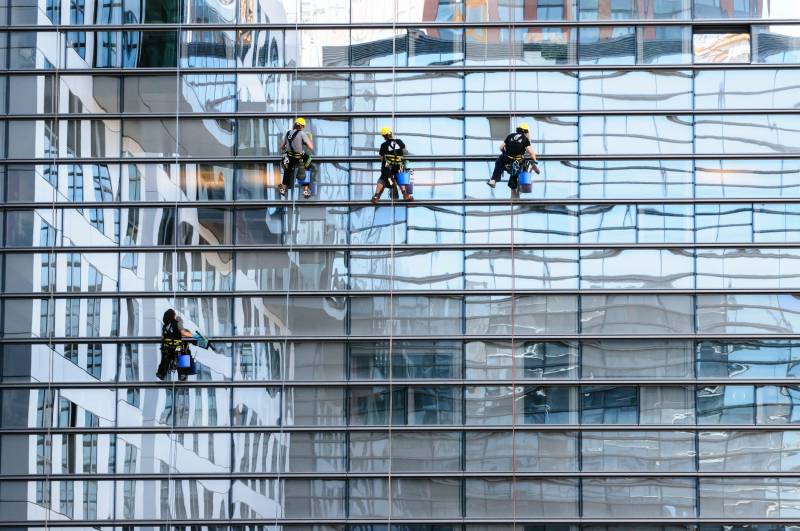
<point x="640" y="451"/>
<point x="206" y="138"/>
<point x="748" y="451"/>
<point x="435" y="46"/>
<point x="523" y="451"/>
<point x="206" y="181"/>
<point x="726" y="404"/>
<point x="623" y="269"/>
<point x="724" y="223"/>
<point x="776" y="223"/>
<point x="625" y="90"/>
<point x="413" y="315"/>
<point x="548" y="405"/>
<point x="314" y="406"/>
<point x="665" y="223"/>
<point x="263" y="48"/>
<point x="764" y="133"/>
<point x="492" y="405"/>
<point x="739" y="89"/>
<point x="426" y="451"/>
<point x="637" y="314"/>
<point x="376" y="47"/>
<point x="413" y="360"/>
<point x="665" y="45"/>
<point x="632" y="497"/>
<point x="150" y="138"/>
<point x="721" y="47"/>
<point x="636" y="359"/>
<point x="607" y="45"/>
<point x="32" y="94"/>
<point x="747" y="268"/>
<point x="775" y="404"/>
<point x="742" y="314"/>
<point x="149" y="49"/>
<point x="748" y="359"/>
<point x="631" y="9"/>
<point x="741" y="498"/>
<point x="548" y="46"/>
<point x="745" y="9"/>
<point x="640" y="135"/>
<point x="609" y="405"/>
<point x="776" y="44"/>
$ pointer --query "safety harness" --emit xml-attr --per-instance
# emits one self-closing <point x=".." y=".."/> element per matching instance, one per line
<point x="290" y="136"/>
<point x="391" y="155"/>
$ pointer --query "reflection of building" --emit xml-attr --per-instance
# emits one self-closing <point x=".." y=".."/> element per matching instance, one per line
<point x="625" y="348"/>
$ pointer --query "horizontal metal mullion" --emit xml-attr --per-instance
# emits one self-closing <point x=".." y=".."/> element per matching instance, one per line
<point x="519" y="382"/>
<point x="395" y="292"/>
<point x="397" y="70"/>
<point x="386" y="247"/>
<point x="237" y="204"/>
<point x="399" y="114"/>
<point x="272" y="521"/>
<point x="397" y="338"/>
<point x="419" y="24"/>
<point x="403" y="428"/>
<point x="171" y="159"/>
<point x="460" y="475"/>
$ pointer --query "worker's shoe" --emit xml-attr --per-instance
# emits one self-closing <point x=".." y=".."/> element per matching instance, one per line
<point x="407" y="196"/>
<point x="282" y="189"/>
<point x="492" y="183"/>
<point x="182" y="377"/>
<point x="306" y="193"/>
<point x="375" y="199"/>
<point x="161" y="376"/>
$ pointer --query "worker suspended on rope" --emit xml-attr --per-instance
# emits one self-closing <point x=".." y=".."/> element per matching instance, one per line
<point x="393" y="164"/>
<point x="512" y="154"/>
<point x="175" y="354"/>
<point x="295" y="157"/>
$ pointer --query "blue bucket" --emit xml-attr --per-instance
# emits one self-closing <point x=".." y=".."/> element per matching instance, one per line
<point x="404" y="178"/>
<point x="525" y="181"/>
<point x="304" y="178"/>
<point x="184" y="361"/>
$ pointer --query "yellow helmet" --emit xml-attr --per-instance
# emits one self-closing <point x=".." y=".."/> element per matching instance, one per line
<point x="385" y="131"/>
<point x="523" y="126"/>
<point x="300" y="121"/>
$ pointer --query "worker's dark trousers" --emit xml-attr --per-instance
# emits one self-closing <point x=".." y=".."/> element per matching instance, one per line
<point x="288" y="173"/>
<point x="499" y="166"/>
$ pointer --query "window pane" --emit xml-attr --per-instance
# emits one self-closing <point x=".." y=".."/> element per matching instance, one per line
<point x="607" y="45"/>
<point x="762" y="314"/>
<point x="749" y="497"/>
<point x="777" y="44"/>
<point x="745" y="9"/>
<point x="637" y="314"/>
<point x="738" y="89"/>
<point x="626" y="9"/>
<point x="748" y="451"/>
<point x="640" y="451"/>
<point x="623" y="135"/>
<point x="751" y="359"/>
<point x="623" y="269"/>
<point x="752" y="268"/>
<point x="435" y="46"/>
<point x="666" y="45"/>
<point x="765" y="133"/>
<point x="726" y="404"/>
<point x="610" y="89"/>
<point x="721" y="47"/>
<point x="630" y="498"/>
<point x="636" y="359"/>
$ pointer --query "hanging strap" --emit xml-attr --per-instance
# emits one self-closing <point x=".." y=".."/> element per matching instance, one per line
<point x="290" y="136"/>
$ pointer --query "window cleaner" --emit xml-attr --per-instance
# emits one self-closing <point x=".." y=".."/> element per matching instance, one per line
<point x="394" y="169"/>
<point x="175" y="353"/>
<point x="511" y="159"/>
<point x="295" y="158"/>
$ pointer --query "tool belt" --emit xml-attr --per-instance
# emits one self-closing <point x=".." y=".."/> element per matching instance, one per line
<point x="172" y="345"/>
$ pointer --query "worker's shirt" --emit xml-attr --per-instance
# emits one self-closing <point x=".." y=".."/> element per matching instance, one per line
<point x="392" y="150"/>
<point x="516" y="144"/>
<point x="296" y="140"/>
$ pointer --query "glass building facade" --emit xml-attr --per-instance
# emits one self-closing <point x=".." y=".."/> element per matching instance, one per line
<point x="617" y="350"/>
